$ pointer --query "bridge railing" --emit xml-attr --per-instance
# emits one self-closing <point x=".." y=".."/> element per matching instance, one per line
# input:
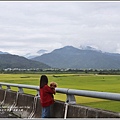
<point x="70" y="93"/>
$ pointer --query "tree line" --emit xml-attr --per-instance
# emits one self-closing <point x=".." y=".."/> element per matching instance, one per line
<point x="79" y="71"/>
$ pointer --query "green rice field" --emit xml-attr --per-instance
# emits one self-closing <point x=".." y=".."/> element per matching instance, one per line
<point x="94" y="82"/>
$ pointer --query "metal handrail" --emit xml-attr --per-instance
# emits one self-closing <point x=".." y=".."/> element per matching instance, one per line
<point x="70" y="92"/>
<point x="20" y="85"/>
<point x="94" y="94"/>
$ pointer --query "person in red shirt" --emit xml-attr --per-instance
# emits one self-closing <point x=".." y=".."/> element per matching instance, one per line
<point x="46" y="98"/>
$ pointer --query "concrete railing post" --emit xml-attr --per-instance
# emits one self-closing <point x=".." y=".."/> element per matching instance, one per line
<point x="71" y="99"/>
<point x="20" y="90"/>
<point x="38" y="94"/>
<point x="0" y="86"/>
<point x="8" y="87"/>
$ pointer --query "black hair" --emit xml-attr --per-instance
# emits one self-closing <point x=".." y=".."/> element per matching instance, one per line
<point x="43" y="81"/>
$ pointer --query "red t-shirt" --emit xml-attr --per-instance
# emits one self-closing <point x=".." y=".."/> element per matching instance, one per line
<point x="46" y="98"/>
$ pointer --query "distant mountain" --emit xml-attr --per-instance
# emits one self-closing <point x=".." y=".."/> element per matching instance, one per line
<point x="71" y="57"/>
<point x="3" y="52"/>
<point x="38" y="53"/>
<point x="15" y="61"/>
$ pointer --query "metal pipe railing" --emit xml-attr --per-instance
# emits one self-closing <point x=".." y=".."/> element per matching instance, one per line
<point x="70" y="92"/>
<point x="94" y="94"/>
<point x="20" y="85"/>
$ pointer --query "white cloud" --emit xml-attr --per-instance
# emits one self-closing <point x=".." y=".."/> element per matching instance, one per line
<point x="30" y="26"/>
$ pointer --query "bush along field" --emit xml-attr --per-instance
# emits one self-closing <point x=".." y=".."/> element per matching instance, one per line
<point x="94" y="82"/>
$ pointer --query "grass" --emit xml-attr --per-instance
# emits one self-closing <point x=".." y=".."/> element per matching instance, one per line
<point x="105" y="83"/>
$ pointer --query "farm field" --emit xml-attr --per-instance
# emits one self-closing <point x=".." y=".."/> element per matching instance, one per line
<point x="105" y="83"/>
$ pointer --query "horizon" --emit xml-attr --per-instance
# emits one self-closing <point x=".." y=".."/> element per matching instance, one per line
<point x="39" y="54"/>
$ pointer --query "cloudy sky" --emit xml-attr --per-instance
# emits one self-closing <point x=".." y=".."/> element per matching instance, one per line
<point x="26" y="27"/>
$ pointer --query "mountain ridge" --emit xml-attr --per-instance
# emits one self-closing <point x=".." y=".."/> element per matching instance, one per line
<point x="71" y="57"/>
<point x="15" y="61"/>
<point x="4" y="52"/>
